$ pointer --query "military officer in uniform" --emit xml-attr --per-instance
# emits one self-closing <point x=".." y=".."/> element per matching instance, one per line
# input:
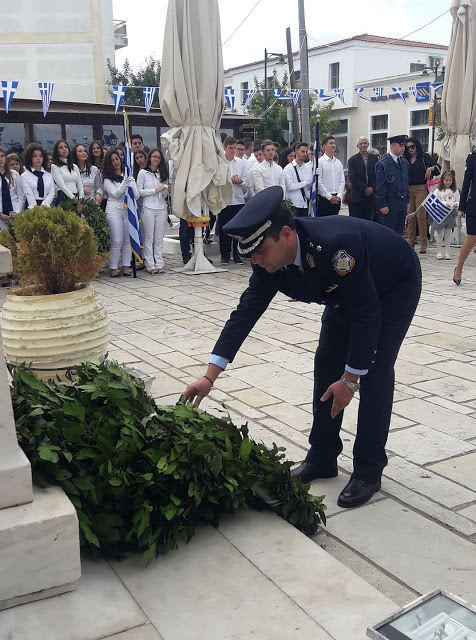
<point x="369" y="278"/>
<point x="392" y="187"/>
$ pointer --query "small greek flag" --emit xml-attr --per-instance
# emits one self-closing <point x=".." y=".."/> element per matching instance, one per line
<point x="360" y="92"/>
<point x="313" y="194"/>
<point x="322" y="95"/>
<point x="46" y="91"/>
<point x="378" y="91"/>
<point x="340" y="94"/>
<point x="230" y="98"/>
<point x="119" y="92"/>
<point x="130" y="203"/>
<point x="437" y="209"/>
<point x="277" y="94"/>
<point x="8" y="89"/>
<point x="250" y="94"/>
<point x="296" y="94"/>
<point x="149" y="95"/>
<point x="437" y="87"/>
<point x="412" y="90"/>
<point x="399" y="92"/>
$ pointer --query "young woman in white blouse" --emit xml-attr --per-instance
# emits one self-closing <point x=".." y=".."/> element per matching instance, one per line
<point x="38" y="185"/>
<point x="11" y="192"/>
<point x="65" y="173"/>
<point x="115" y="185"/>
<point x="96" y="154"/>
<point x="90" y="175"/>
<point x="152" y="185"/>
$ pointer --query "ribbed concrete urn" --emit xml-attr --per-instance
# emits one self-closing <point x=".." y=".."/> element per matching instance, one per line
<point x="54" y="333"/>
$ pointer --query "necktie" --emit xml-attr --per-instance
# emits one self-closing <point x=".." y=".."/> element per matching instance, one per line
<point x="41" y="184"/>
<point x="7" y="206"/>
<point x="399" y="162"/>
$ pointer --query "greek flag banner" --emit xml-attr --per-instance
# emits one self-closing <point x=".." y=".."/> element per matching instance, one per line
<point x="378" y="91"/>
<point x="8" y="89"/>
<point x="230" y="98"/>
<point x="250" y="94"/>
<point x="277" y="94"/>
<point x="313" y="194"/>
<point x="437" y="209"/>
<point x="118" y="91"/>
<point x="412" y="90"/>
<point x="340" y="94"/>
<point x="322" y="95"/>
<point x="46" y="91"/>
<point x="130" y="203"/>
<point x="149" y="95"/>
<point x="360" y="92"/>
<point x="437" y="87"/>
<point x="296" y="94"/>
<point x="399" y="92"/>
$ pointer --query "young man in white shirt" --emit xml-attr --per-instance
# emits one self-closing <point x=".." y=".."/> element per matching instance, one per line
<point x="238" y="170"/>
<point x="331" y="180"/>
<point x="298" y="179"/>
<point x="258" y="159"/>
<point x="240" y="149"/>
<point x="268" y="173"/>
<point x="248" y="142"/>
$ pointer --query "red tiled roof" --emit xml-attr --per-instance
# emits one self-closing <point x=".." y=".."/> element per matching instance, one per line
<point x="364" y="37"/>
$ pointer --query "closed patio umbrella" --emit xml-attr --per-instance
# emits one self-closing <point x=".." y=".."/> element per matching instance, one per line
<point x="458" y="104"/>
<point x="191" y="97"/>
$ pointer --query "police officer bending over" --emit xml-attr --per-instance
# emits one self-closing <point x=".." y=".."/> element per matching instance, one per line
<point x="369" y="278"/>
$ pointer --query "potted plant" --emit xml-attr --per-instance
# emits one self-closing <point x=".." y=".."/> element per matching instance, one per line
<point x="53" y="319"/>
<point x="96" y="219"/>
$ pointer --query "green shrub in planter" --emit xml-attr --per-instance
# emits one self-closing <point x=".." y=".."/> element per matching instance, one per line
<point x="96" y="219"/>
<point x="141" y="475"/>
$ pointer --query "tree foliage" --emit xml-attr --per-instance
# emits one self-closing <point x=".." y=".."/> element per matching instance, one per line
<point x="148" y="75"/>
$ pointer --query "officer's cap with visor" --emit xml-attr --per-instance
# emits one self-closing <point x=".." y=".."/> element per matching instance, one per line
<point x="252" y="222"/>
<point x="398" y="139"/>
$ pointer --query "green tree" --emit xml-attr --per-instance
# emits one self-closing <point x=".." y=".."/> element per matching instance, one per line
<point x="276" y="119"/>
<point x="148" y="75"/>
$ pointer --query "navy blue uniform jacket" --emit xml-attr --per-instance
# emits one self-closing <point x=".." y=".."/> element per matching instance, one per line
<point x="391" y="183"/>
<point x="349" y="264"/>
<point x="467" y="203"/>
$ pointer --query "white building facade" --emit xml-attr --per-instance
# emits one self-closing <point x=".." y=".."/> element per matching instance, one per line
<point x="67" y="43"/>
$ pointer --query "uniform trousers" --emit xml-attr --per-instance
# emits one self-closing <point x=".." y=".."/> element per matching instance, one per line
<point x="120" y="243"/>
<point x="377" y="386"/>
<point x="418" y="193"/>
<point x="302" y="212"/>
<point x="153" y="223"/>
<point x="325" y="208"/>
<point x="365" y="209"/>
<point x="395" y="218"/>
<point x="225" y="215"/>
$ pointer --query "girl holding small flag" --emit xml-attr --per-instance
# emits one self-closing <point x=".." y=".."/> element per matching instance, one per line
<point x="449" y="195"/>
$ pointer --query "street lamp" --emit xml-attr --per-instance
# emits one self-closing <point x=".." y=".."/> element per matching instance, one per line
<point x="432" y="109"/>
<point x="280" y="61"/>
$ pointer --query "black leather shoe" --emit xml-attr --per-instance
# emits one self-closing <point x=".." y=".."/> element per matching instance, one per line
<point x="308" y="472"/>
<point x="357" y="492"/>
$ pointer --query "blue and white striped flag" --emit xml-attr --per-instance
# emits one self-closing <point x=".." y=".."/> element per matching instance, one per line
<point x="378" y="91"/>
<point x="250" y="94"/>
<point x="119" y="92"/>
<point x="46" y="91"/>
<point x="399" y="92"/>
<point x="437" y="209"/>
<point x="436" y="87"/>
<point x="130" y="203"/>
<point x="296" y="94"/>
<point x="8" y="88"/>
<point x="322" y="95"/>
<point x="340" y="94"/>
<point x="230" y="98"/>
<point x="149" y="95"/>
<point x="360" y="92"/>
<point x="313" y="194"/>
<point x="412" y="90"/>
<point x="277" y="94"/>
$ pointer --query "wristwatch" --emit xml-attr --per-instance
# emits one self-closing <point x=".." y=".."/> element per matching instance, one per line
<point x="353" y="386"/>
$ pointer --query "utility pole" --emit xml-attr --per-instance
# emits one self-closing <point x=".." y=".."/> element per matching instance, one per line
<point x="305" y="126"/>
<point x="292" y="81"/>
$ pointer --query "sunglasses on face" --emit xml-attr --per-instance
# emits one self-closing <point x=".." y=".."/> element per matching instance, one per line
<point x="410" y="147"/>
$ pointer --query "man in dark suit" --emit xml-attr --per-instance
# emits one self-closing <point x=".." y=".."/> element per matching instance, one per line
<point x="369" y="278"/>
<point x="362" y="178"/>
<point x="392" y="185"/>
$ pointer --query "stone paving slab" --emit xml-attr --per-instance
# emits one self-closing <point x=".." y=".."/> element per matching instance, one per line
<point x="461" y="469"/>
<point x="423" y="444"/>
<point x="437" y="417"/>
<point x="144" y="632"/>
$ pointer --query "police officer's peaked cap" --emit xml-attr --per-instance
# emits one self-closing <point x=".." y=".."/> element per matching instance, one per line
<point x="250" y="224"/>
<point x="398" y="139"/>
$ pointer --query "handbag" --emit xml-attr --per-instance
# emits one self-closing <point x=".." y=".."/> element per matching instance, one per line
<point x="432" y="183"/>
<point x="347" y="193"/>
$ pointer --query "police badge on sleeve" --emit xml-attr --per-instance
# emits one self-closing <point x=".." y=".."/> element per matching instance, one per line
<point x="342" y="262"/>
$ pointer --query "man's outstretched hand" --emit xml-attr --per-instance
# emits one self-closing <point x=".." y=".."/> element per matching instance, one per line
<point x="196" y="391"/>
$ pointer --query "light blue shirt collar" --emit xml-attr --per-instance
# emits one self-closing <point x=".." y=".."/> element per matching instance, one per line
<point x="298" y="259"/>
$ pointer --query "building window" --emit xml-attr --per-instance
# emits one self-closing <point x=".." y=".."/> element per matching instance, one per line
<point x="244" y="89"/>
<point x="334" y="75"/>
<point x="297" y="75"/>
<point x="269" y="82"/>
<point x="414" y="67"/>
<point x="379" y="132"/>
<point x="12" y="137"/>
<point x="79" y="134"/>
<point x="419" y="128"/>
<point x="112" y="134"/>
<point x="47" y="135"/>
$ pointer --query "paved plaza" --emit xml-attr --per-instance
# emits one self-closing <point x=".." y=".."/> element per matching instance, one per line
<point x="418" y="533"/>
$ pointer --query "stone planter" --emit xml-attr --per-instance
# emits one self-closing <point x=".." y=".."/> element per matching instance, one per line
<point x="54" y="333"/>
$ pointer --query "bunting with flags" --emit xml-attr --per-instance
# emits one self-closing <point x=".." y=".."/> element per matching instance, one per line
<point x="130" y="203"/>
<point x="277" y="94"/>
<point x="230" y="98"/>
<point x="398" y="91"/>
<point x="378" y="91"/>
<point x="119" y="92"/>
<point x="296" y="94"/>
<point x="340" y="94"/>
<point x="149" y="95"/>
<point x="8" y="90"/>
<point x="412" y="90"/>
<point x="321" y="94"/>
<point x="250" y="94"/>
<point x="46" y="91"/>
<point x="360" y="92"/>
<point x="437" y="87"/>
<point x="313" y="194"/>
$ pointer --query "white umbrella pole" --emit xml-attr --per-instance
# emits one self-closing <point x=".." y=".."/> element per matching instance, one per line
<point x="199" y="263"/>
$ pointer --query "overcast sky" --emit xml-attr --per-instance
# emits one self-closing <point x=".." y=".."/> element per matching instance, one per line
<point x="266" y="26"/>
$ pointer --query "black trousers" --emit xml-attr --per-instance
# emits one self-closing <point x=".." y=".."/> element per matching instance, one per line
<point x="225" y="240"/>
<point x="377" y="386"/>
<point x="302" y="212"/>
<point x="186" y="235"/>
<point x="395" y="218"/>
<point x="325" y="208"/>
<point x="365" y="209"/>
